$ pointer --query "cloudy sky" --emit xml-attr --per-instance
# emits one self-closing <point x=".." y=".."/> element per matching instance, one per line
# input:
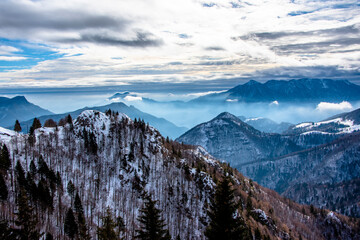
<point x="92" y="43"/>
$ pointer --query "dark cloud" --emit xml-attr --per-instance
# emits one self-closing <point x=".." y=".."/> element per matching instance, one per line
<point x="263" y="36"/>
<point x="307" y="72"/>
<point x="215" y="48"/>
<point x="141" y="40"/>
<point x="316" y="47"/>
<point x="16" y="16"/>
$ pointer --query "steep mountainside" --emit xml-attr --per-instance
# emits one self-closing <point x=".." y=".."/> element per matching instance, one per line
<point x="325" y="176"/>
<point x="165" y="127"/>
<point x="305" y="90"/>
<point x="18" y="108"/>
<point x="228" y="138"/>
<point x="111" y="161"/>
<point x="340" y="124"/>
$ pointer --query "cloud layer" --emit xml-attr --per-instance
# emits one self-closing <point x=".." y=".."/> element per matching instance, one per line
<point x="130" y="42"/>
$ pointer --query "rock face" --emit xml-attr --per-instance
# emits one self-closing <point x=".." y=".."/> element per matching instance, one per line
<point x="304" y="90"/>
<point x="111" y="162"/>
<point x="228" y="138"/>
<point x="18" y="108"/>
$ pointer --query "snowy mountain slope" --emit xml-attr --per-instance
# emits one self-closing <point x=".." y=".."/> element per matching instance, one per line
<point x="340" y="124"/>
<point x="18" y="108"/>
<point x="165" y="127"/>
<point x="321" y="176"/>
<point x="112" y="161"/>
<point x="228" y="138"/>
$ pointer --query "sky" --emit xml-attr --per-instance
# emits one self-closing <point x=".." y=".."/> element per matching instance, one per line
<point x="189" y="43"/>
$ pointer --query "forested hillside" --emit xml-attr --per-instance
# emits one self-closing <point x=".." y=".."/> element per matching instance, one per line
<point x="102" y="172"/>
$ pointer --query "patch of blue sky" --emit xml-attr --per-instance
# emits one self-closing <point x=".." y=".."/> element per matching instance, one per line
<point x="28" y="54"/>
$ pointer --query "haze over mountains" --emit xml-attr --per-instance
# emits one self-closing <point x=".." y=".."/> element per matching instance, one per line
<point x="18" y="108"/>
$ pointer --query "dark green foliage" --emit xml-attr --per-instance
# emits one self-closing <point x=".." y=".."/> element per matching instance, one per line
<point x="31" y="187"/>
<point x="3" y="188"/>
<point x="78" y="204"/>
<point x="83" y="230"/>
<point x="90" y="142"/>
<point x="49" y="236"/>
<point x="5" y="162"/>
<point x="20" y="175"/>
<point x="107" y="230"/>
<point x="258" y="234"/>
<point x="36" y="124"/>
<point x="17" y="126"/>
<point x="44" y="194"/>
<point x="223" y="225"/>
<point x="26" y="219"/>
<point x="152" y="226"/>
<point x="70" y="225"/>
<point x="7" y="232"/>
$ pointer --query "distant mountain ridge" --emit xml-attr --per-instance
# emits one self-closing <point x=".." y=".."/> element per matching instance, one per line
<point x="18" y="108"/>
<point x="266" y="125"/>
<point x="306" y="89"/>
<point x="165" y="127"/>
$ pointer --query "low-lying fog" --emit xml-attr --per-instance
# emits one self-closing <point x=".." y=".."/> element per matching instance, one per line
<point x="188" y="115"/>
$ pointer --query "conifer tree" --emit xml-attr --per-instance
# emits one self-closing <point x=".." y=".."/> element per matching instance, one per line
<point x="3" y="188"/>
<point x="70" y="225"/>
<point x="35" y="125"/>
<point x="152" y="226"/>
<point x="223" y="224"/>
<point x="20" y="174"/>
<point x="5" y="162"/>
<point x="71" y="188"/>
<point x="107" y="230"/>
<point x="17" y="126"/>
<point x="25" y="218"/>
<point x="83" y="230"/>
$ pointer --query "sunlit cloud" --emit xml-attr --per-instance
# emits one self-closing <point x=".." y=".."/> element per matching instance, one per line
<point x="326" y="106"/>
<point x="126" y="42"/>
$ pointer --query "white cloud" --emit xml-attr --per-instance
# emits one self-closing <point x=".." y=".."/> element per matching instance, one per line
<point x="132" y="98"/>
<point x="120" y="40"/>
<point x="11" y="58"/>
<point x="326" y="106"/>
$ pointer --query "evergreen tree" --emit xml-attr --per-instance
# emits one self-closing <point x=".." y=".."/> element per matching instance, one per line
<point x="17" y="126"/>
<point x="3" y="188"/>
<point x="107" y="230"/>
<point x="20" y="174"/>
<point x="223" y="224"/>
<point x="83" y="230"/>
<point x="35" y="125"/>
<point x="7" y="232"/>
<point x="49" y="236"/>
<point x="5" y="162"/>
<point x="25" y="218"/>
<point x="70" y="225"/>
<point x="152" y="225"/>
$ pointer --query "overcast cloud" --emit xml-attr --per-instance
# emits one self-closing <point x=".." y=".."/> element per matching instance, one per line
<point x="109" y="42"/>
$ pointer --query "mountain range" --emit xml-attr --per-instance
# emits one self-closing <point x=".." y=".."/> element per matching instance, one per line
<point x="165" y="127"/>
<point x="296" y="90"/>
<point x="108" y="161"/>
<point x="266" y="125"/>
<point x="18" y="108"/>
<point x="285" y="162"/>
